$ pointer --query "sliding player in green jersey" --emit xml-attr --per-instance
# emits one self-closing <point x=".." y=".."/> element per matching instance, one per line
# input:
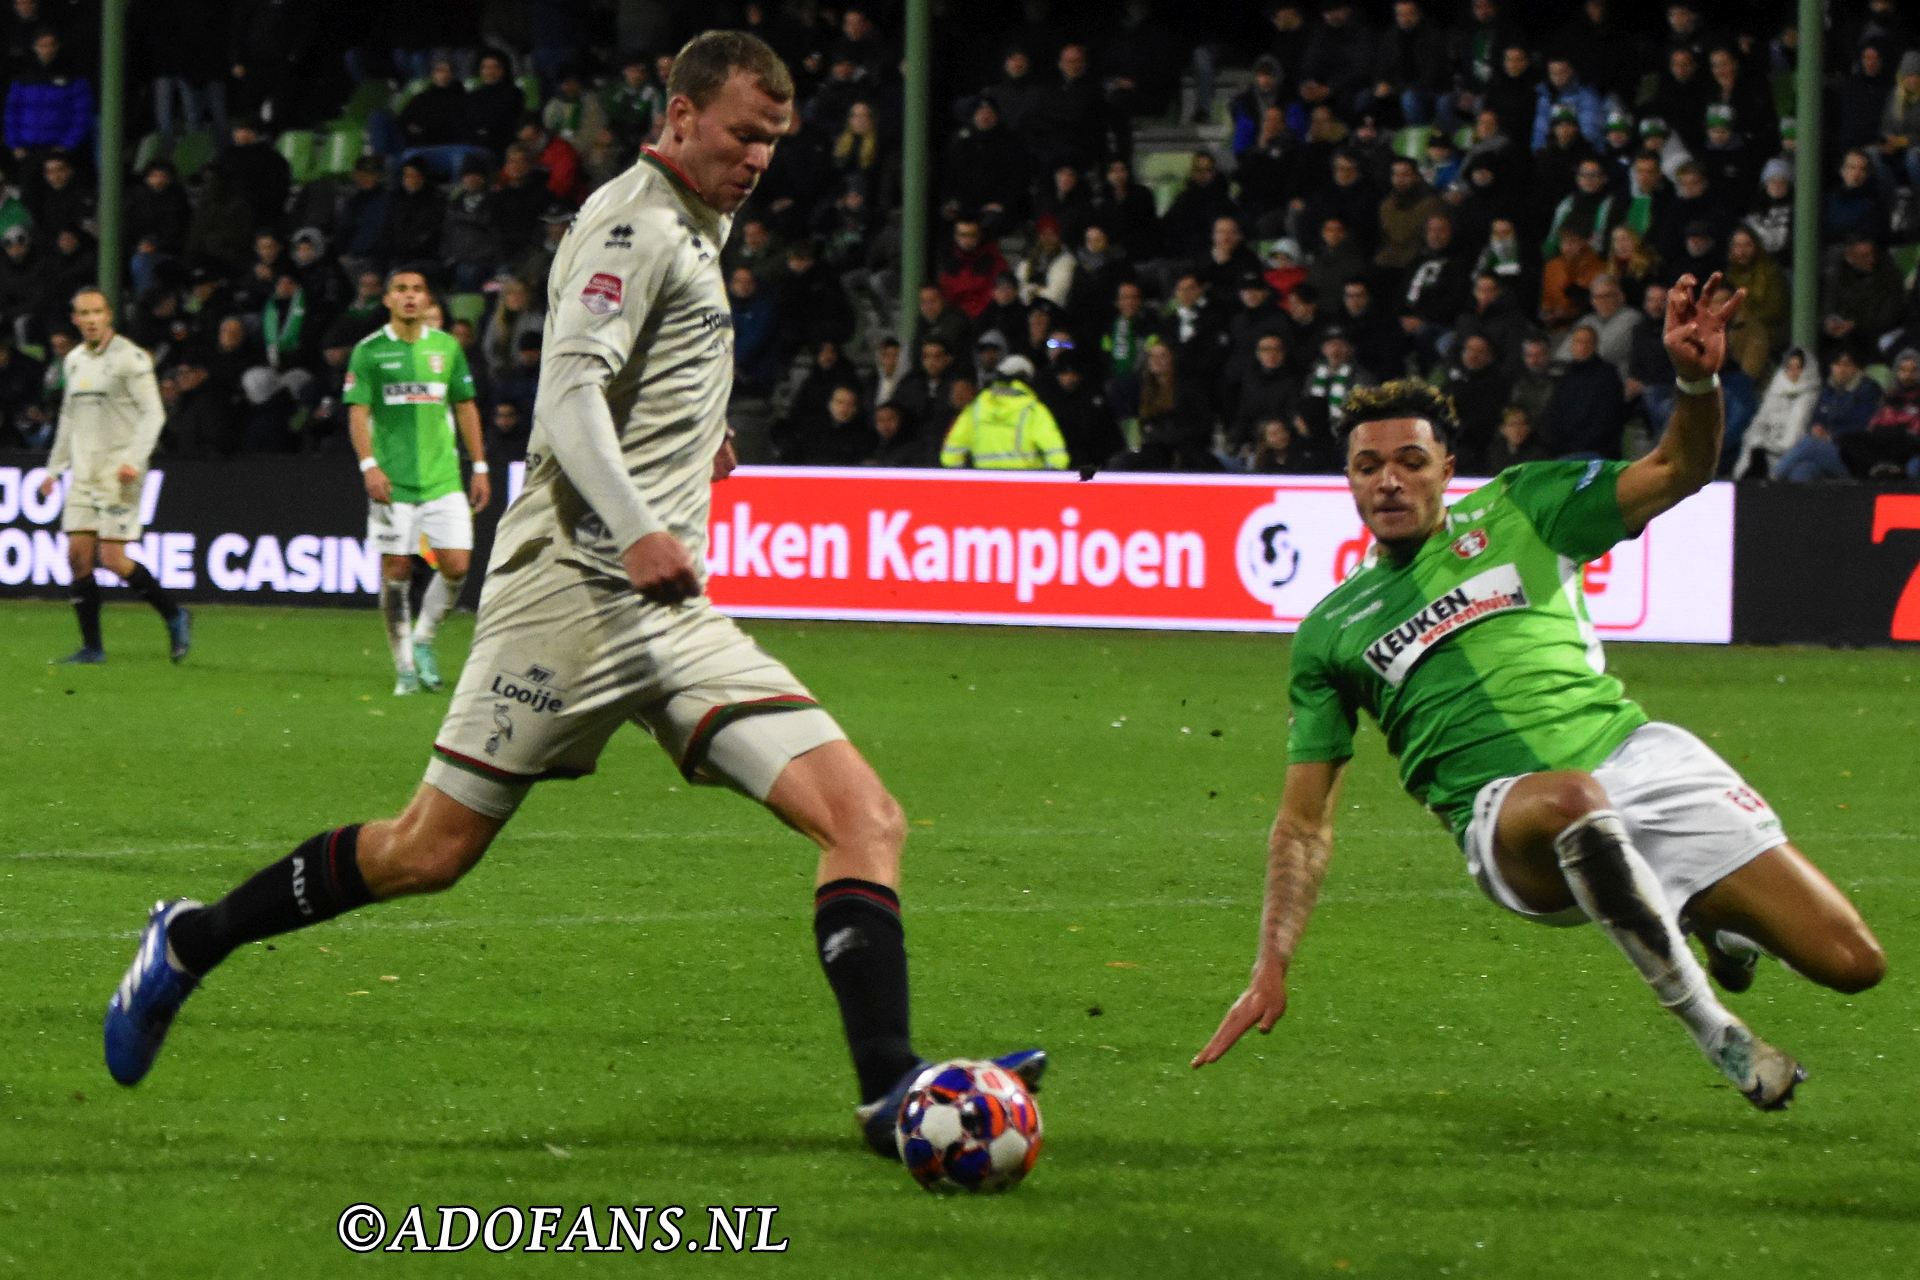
<point x="408" y="388"/>
<point x="1466" y="638"/>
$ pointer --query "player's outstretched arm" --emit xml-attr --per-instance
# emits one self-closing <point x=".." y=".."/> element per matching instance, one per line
<point x="1688" y="451"/>
<point x="1297" y="853"/>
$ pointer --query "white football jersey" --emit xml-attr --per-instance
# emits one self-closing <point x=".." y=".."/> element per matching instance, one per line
<point x="637" y="282"/>
<point x="111" y="413"/>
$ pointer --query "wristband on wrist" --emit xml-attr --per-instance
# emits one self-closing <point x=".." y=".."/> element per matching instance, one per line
<point x="1700" y="387"/>
<point x="367" y="463"/>
<point x="481" y="468"/>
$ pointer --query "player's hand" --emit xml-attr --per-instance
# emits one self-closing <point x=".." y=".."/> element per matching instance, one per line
<point x="379" y="488"/>
<point x="726" y="459"/>
<point x="1696" y="333"/>
<point x="660" y="569"/>
<point x="479" y="490"/>
<point x="1261" y="1005"/>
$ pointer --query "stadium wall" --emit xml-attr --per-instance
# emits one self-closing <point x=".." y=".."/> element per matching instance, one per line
<point x="1233" y="553"/>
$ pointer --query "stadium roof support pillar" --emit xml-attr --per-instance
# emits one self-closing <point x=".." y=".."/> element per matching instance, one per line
<point x="1806" y="174"/>
<point x="913" y="165"/>
<point x="113" y="84"/>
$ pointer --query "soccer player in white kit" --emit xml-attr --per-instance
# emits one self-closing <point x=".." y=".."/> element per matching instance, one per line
<point x="110" y="420"/>
<point x="594" y="613"/>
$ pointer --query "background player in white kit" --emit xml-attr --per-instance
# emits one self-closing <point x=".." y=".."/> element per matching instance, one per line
<point x="593" y="614"/>
<point x="110" y="420"/>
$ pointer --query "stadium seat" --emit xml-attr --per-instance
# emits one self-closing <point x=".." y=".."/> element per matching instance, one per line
<point x="367" y="98"/>
<point x="406" y="94"/>
<point x="1163" y="173"/>
<point x="1906" y="258"/>
<point x="1882" y="374"/>
<point x="471" y="307"/>
<point x="1411" y="142"/>
<point x="530" y="87"/>
<point x="192" y="152"/>
<point x="1786" y="93"/>
<point x="342" y="149"/>
<point x="297" y="146"/>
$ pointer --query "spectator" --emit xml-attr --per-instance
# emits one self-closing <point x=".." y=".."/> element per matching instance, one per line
<point x="1534" y="383"/>
<point x="1176" y="422"/>
<point x="1556" y="164"/>
<point x="1378" y="342"/>
<point x="1859" y="296"/>
<point x="1046" y="271"/>
<point x="49" y="104"/>
<point x="1514" y="264"/>
<point x="362" y="212"/>
<point x="1350" y="197"/>
<point x="1006" y="427"/>
<point x="1125" y="209"/>
<point x="925" y="395"/>
<point x="635" y="104"/>
<point x="987" y="170"/>
<point x="471" y="246"/>
<point x="835" y="435"/>
<point x="938" y="320"/>
<point x="1860" y="98"/>
<point x="1601" y="49"/>
<point x="858" y="152"/>
<point x="1783" y="415"/>
<point x="1513" y="94"/>
<point x="60" y="201"/>
<point x="1565" y="278"/>
<point x="1335" y="374"/>
<point x="1761" y="327"/>
<point x="1071" y="124"/>
<point x="258" y="173"/>
<point x="1681" y="98"/>
<point x="1481" y="393"/>
<point x="1279" y="452"/>
<point x="188" y="68"/>
<point x="1494" y="316"/>
<point x="1856" y="207"/>
<point x="829" y="370"/>
<point x="1410" y="71"/>
<point x="1006" y="315"/>
<point x="558" y="157"/>
<point x="1515" y="442"/>
<point x="1082" y="413"/>
<point x="1187" y="228"/>
<point x="1612" y="321"/>
<point x="1099" y="269"/>
<point x="415" y="214"/>
<point x="1197" y="331"/>
<point x="272" y="43"/>
<point x="524" y="198"/>
<point x="896" y="443"/>
<point x="1588" y="409"/>
<point x="513" y="316"/>
<point x="495" y="106"/>
<point x="519" y="382"/>
<point x="21" y="379"/>
<point x="1403" y="216"/>
<point x="1228" y="262"/>
<point x="574" y="113"/>
<point x="1771" y="215"/>
<point x="1588" y="206"/>
<point x="1266" y="390"/>
<point x="1340" y="259"/>
<point x="968" y="267"/>
<point x="1563" y="88"/>
<point x="1632" y="262"/>
<point x="506" y="433"/>
<point x="1845" y="406"/>
<point x="439" y="116"/>
<point x="1700" y="254"/>
<point x="1267" y="170"/>
<point x="1020" y="94"/>
<point x="319" y="272"/>
<point x="1438" y="289"/>
<point x="1888" y="447"/>
<point x="1248" y="109"/>
<point x="1337" y="66"/>
<point x="1900" y="126"/>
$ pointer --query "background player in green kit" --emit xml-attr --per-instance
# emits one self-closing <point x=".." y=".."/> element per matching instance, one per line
<point x="1465" y="636"/>
<point x="408" y="387"/>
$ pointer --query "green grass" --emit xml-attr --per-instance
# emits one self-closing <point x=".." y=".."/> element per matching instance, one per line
<point x="621" y="1005"/>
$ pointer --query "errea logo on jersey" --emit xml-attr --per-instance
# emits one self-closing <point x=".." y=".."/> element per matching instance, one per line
<point x="620" y="237"/>
<point x="1498" y="590"/>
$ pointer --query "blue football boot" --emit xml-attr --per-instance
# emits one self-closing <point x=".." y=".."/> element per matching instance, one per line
<point x="879" y="1120"/>
<point x="142" y="1008"/>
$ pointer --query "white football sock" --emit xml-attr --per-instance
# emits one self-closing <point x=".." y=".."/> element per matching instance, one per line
<point x="1619" y="892"/>
<point x="394" y="607"/>
<point x="442" y="594"/>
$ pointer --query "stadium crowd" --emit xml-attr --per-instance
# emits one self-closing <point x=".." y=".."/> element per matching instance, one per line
<point x="1486" y="194"/>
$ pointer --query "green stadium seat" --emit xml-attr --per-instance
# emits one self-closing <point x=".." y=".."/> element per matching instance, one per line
<point x="1882" y="374"/>
<point x="1906" y="258"/>
<point x="471" y="307"/>
<point x="1786" y="93"/>
<point x="298" y="148"/>
<point x="342" y="149"/>
<point x="192" y="152"/>
<point x="367" y="99"/>
<point x="530" y="88"/>
<point x="146" y="152"/>
<point x="1411" y="141"/>
<point x="1463" y="138"/>
<point x="406" y="94"/>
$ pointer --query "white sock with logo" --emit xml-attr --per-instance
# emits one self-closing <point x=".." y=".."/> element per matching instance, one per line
<point x="1619" y="892"/>
<point x="441" y="595"/>
<point x="394" y="607"/>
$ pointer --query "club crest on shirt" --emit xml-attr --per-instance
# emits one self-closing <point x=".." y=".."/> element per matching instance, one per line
<point x="1470" y="545"/>
<point x="437" y="363"/>
<point x="602" y="294"/>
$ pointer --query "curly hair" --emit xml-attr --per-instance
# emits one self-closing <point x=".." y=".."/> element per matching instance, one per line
<point x="1401" y="398"/>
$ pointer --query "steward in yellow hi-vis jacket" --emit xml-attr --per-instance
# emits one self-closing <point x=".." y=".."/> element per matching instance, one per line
<point x="1006" y="428"/>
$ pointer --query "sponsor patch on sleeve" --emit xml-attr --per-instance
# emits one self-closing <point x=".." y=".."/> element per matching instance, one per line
<point x="602" y="295"/>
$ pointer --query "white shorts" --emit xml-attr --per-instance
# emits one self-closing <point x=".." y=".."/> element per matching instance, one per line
<point x="397" y="528"/>
<point x="109" y="514"/>
<point x="1693" y="819"/>
<point x="562" y="658"/>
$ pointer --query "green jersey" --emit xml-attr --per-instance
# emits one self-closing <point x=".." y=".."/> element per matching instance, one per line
<point x="410" y="389"/>
<point x="1476" y="657"/>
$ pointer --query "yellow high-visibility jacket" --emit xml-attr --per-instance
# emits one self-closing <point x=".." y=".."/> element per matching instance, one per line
<point x="1006" y="428"/>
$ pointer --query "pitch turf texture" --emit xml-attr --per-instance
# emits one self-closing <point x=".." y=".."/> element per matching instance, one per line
<point x="622" y="1006"/>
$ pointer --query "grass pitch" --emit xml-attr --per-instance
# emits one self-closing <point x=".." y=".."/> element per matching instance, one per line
<point x="621" y="1005"/>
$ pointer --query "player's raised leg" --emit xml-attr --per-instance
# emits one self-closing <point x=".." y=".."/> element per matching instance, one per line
<point x="1559" y="843"/>
<point x="433" y="842"/>
<point x="84" y="595"/>
<point x="113" y="554"/>
<point x="442" y="593"/>
<point x="1782" y="904"/>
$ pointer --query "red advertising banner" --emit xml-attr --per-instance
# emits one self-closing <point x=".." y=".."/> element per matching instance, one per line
<point x="1231" y="553"/>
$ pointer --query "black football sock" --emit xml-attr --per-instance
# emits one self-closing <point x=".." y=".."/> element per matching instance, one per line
<point x="318" y="881"/>
<point x="147" y="588"/>
<point x="856" y="925"/>
<point x="85" y="598"/>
